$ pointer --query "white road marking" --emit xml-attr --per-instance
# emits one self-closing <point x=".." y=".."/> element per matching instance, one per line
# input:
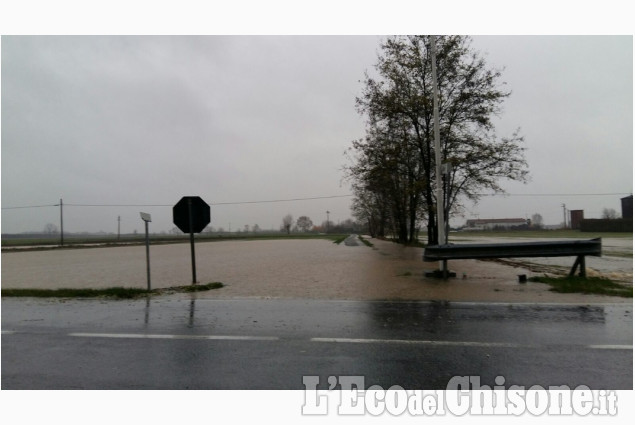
<point x="458" y="343"/>
<point x="160" y="336"/>
<point x="611" y="347"/>
<point x="335" y="340"/>
<point x="421" y="342"/>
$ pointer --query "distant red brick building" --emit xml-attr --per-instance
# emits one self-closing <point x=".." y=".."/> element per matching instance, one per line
<point x="576" y="218"/>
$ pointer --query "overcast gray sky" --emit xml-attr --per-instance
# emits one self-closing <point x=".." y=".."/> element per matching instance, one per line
<point x="148" y="119"/>
<point x="123" y="120"/>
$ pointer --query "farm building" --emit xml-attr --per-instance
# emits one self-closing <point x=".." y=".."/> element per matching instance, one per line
<point x="627" y="207"/>
<point x="495" y="223"/>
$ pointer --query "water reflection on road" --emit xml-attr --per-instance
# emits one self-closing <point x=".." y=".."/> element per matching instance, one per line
<point x="178" y="343"/>
<point x="530" y="323"/>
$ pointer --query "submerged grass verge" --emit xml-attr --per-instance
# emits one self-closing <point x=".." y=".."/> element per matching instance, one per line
<point x="589" y="285"/>
<point x="340" y="239"/>
<point x="198" y="288"/>
<point x="367" y="243"/>
<point x="115" y="292"/>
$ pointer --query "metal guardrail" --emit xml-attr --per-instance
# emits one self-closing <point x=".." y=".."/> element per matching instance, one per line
<point x="578" y="248"/>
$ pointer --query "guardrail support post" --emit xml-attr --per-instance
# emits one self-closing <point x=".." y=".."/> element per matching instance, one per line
<point x="580" y="261"/>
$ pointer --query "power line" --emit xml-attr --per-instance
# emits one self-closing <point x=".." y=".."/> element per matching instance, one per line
<point x="117" y="205"/>
<point x="282" y="200"/>
<point x="306" y="199"/>
<point x="30" y="206"/>
<point x="214" y="203"/>
<point x="170" y="205"/>
<point x="554" y="194"/>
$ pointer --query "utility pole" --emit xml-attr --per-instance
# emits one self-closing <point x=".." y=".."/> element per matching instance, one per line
<point x="437" y="155"/>
<point x="437" y="143"/>
<point x="564" y="212"/>
<point x="327" y="221"/>
<point x="118" y="227"/>
<point x="61" y="222"/>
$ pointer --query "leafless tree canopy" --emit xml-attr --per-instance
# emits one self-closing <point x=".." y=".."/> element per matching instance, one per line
<point x="287" y="222"/>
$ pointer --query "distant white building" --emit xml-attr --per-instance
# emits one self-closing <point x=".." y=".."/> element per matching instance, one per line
<point x="492" y="223"/>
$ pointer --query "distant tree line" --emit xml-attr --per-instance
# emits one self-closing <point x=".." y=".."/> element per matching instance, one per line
<point x="304" y="224"/>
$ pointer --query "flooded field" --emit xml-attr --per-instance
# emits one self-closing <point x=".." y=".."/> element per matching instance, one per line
<point x="314" y="269"/>
<point x="616" y="261"/>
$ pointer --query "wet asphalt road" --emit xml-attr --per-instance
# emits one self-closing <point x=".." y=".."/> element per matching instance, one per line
<point x="171" y="343"/>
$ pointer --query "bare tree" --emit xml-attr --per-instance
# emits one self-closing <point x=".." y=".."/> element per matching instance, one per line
<point x="609" y="214"/>
<point x="536" y="221"/>
<point x="304" y="223"/>
<point x="50" y="229"/>
<point x="287" y="222"/>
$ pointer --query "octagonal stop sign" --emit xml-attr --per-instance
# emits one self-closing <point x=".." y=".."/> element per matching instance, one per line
<point x="191" y="208"/>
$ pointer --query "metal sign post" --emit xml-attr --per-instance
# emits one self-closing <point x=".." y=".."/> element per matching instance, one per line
<point x="191" y="214"/>
<point x="191" y="220"/>
<point x="147" y="219"/>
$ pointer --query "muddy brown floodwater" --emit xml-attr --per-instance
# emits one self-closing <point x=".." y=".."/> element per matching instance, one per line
<point x="312" y="269"/>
